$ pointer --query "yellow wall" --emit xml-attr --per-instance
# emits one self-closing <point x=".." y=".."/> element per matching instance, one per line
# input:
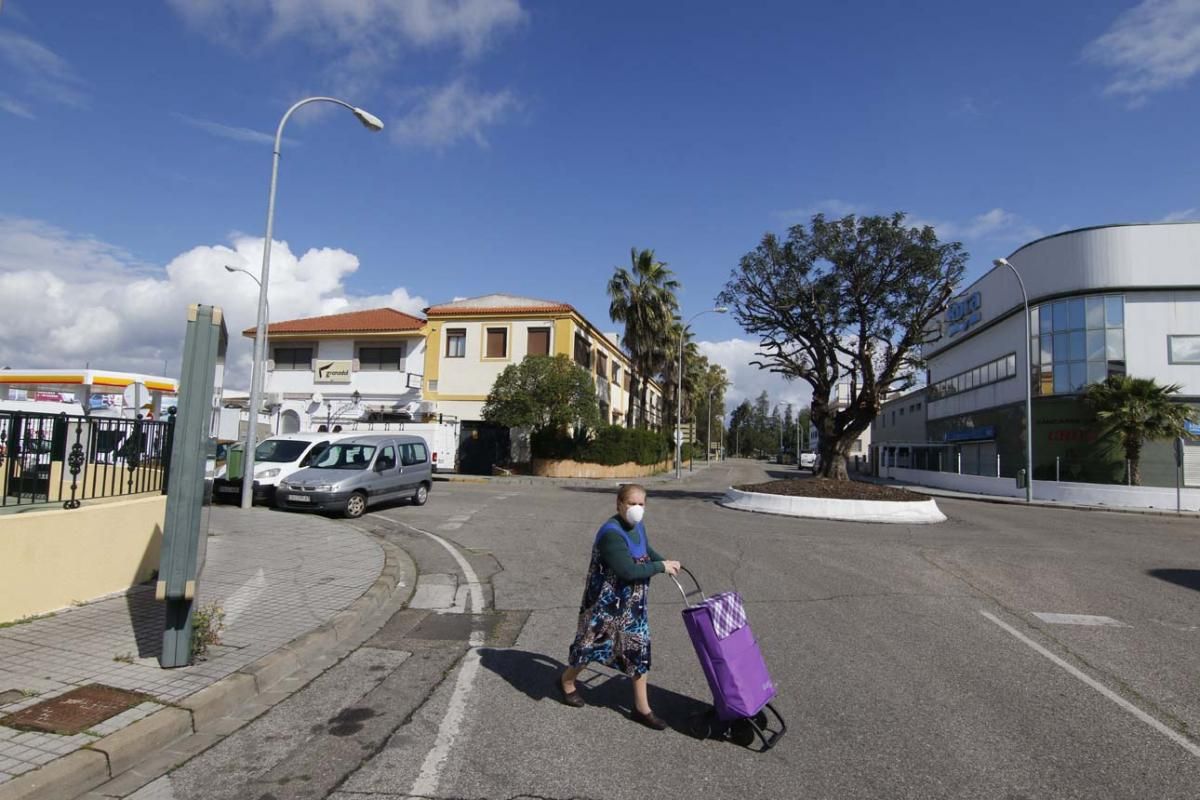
<point x="49" y="559"/>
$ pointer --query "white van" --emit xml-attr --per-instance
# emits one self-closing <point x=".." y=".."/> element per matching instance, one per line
<point x="275" y="458"/>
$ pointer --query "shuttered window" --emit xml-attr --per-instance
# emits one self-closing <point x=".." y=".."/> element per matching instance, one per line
<point x="293" y="358"/>
<point x="497" y="343"/>
<point x="381" y="359"/>
<point x="456" y="342"/>
<point x="539" y="342"/>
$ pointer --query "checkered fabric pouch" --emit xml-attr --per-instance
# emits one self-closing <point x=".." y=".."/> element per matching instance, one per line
<point x="728" y="614"/>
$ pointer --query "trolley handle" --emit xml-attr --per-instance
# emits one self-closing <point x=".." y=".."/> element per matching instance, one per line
<point x="698" y="591"/>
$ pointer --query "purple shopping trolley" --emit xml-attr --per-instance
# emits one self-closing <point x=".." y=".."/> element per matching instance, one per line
<point x="741" y="686"/>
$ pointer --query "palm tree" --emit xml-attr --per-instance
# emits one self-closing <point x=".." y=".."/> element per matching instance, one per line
<point x="643" y="298"/>
<point x="1134" y="410"/>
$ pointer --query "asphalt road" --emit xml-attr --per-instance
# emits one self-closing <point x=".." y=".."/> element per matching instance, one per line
<point x="909" y="660"/>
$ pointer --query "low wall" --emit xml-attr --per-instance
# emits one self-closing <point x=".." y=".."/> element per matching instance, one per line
<point x="548" y="468"/>
<point x="904" y="512"/>
<point x="50" y="559"/>
<point x="1087" y="494"/>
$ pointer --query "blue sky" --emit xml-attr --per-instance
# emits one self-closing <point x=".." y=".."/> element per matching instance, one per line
<point x="530" y="145"/>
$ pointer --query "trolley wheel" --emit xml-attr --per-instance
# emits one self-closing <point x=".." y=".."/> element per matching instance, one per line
<point x="742" y="733"/>
<point x="703" y="725"/>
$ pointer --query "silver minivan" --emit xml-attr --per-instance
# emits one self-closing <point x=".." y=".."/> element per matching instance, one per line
<point x="358" y="472"/>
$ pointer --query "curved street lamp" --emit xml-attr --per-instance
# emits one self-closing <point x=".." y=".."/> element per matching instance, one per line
<point x="1003" y="262"/>
<point x="679" y="387"/>
<point x="372" y="123"/>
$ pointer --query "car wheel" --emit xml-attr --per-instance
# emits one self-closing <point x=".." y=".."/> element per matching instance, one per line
<point x="420" y="495"/>
<point x="356" y="505"/>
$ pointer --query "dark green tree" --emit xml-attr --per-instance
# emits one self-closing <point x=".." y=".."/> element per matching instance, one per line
<point x="543" y="392"/>
<point x="845" y="301"/>
<point x="1133" y="411"/>
<point x="643" y="298"/>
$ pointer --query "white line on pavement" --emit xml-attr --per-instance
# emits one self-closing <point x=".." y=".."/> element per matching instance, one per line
<point x="1173" y="735"/>
<point x="245" y="596"/>
<point x="1077" y="619"/>
<point x="472" y="579"/>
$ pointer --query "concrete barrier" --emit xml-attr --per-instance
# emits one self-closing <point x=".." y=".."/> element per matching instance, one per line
<point x="909" y="513"/>
<point x="50" y="559"/>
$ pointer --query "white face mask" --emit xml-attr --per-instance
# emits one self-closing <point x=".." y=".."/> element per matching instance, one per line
<point x="634" y="514"/>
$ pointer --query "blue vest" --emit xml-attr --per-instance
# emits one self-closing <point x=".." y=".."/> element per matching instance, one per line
<point x="636" y="549"/>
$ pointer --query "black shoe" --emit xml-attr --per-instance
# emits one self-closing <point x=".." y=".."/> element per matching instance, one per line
<point x="649" y="720"/>
<point x="571" y="699"/>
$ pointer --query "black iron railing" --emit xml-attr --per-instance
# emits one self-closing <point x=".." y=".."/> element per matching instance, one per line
<point x="63" y="458"/>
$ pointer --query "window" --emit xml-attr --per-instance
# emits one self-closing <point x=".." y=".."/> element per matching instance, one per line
<point x="497" y="343"/>
<point x="539" y="342"/>
<point x="293" y="357"/>
<point x="583" y="352"/>
<point x="601" y="364"/>
<point x="413" y="453"/>
<point x="996" y="370"/>
<point x="1183" y="349"/>
<point x="1079" y="341"/>
<point x="456" y="342"/>
<point x="312" y="455"/>
<point x="381" y="359"/>
<point x="616" y="373"/>
<point x="387" y="459"/>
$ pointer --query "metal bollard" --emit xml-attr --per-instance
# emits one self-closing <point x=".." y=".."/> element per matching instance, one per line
<point x="1057" y="472"/>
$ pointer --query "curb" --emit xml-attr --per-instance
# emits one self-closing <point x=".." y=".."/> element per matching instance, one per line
<point x="919" y="512"/>
<point x="114" y="755"/>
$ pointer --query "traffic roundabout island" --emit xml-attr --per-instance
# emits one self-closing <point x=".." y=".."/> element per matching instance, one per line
<point x="821" y="498"/>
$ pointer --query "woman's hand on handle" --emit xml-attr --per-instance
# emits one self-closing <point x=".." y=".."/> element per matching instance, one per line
<point x="671" y="567"/>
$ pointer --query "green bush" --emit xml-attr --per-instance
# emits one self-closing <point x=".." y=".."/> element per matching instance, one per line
<point x="610" y="446"/>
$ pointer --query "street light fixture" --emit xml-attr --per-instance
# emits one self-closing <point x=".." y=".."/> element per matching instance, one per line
<point x="253" y="277"/>
<point x="1003" y="262"/>
<point x="372" y="123"/>
<point x="679" y="387"/>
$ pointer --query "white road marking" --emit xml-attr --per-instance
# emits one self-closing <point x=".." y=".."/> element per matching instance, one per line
<point x="449" y="526"/>
<point x="1173" y="735"/>
<point x="430" y="775"/>
<point x="1077" y="619"/>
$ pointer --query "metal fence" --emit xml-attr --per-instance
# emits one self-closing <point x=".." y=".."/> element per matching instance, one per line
<point x="61" y="458"/>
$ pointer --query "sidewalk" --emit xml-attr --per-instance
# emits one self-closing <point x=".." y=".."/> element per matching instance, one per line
<point x="277" y="576"/>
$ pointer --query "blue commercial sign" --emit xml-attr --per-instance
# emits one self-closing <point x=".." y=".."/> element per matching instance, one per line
<point x="971" y="434"/>
<point x="1193" y="428"/>
<point x="964" y="313"/>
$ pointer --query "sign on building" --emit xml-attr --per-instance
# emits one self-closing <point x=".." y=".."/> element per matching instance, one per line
<point x="332" y="371"/>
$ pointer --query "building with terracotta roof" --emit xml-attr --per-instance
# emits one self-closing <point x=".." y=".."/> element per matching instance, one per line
<point x="346" y="367"/>
<point x="471" y="340"/>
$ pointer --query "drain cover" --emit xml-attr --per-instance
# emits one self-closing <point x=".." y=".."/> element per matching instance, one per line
<point x="75" y="711"/>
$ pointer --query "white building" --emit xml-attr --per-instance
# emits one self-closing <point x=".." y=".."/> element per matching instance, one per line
<point x="330" y="370"/>
<point x="1103" y="300"/>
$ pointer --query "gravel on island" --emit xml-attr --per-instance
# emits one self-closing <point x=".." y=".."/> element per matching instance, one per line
<point x="836" y="490"/>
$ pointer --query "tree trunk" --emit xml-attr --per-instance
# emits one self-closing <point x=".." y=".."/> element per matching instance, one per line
<point x="833" y="453"/>
<point x="1133" y="452"/>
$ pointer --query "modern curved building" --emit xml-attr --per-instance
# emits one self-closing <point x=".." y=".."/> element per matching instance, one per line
<point x="1103" y="300"/>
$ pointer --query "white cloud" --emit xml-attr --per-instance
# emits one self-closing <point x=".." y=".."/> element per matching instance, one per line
<point x="748" y="381"/>
<point x="67" y="299"/>
<point x="994" y="225"/>
<point x="450" y="114"/>
<point x="1186" y="214"/>
<point x="1152" y="47"/>
<point x="40" y="73"/>
<point x="232" y="132"/>
<point x="15" y="108"/>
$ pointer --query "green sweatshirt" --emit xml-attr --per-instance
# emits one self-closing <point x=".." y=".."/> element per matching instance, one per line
<point x="616" y="555"/>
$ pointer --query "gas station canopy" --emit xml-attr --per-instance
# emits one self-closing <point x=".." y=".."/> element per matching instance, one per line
<point x="88" y="381"/>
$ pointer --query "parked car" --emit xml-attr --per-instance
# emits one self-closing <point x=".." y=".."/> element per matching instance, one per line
<point x="808" y="461"/>
<point x="359" y="472"/>
<point x="274" y="459"/>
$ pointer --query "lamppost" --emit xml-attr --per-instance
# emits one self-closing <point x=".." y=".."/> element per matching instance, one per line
<point x="372" y="123"/>
<point x="266" y="339"/>
<point x="679" y="386"/>
<point x="708" y="427"/>
<point x="1003" y="262"/>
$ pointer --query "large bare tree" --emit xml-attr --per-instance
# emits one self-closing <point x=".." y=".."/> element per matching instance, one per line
<point x="845" y="301"/>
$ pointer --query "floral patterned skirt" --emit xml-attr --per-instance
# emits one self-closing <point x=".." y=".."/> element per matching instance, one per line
<point x="614" y="627"/>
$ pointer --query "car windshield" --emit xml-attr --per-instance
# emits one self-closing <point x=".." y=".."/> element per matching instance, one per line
<point x="346" y="456"/>
<point x="280" y="450"/>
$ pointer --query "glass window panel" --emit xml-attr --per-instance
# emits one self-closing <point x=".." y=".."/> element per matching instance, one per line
<point x="1115" y="344"/>
<point x="1075" y="313"/>
<point x="1116" y="367"/>
<point x="1077" y="350"/>
<point x="1037" y="349"/>
<point x="1062" y="318"/>
<point x="1095" y="345"/>
<point x="1096" y="371"/>
<point x="989" y="373"/>
<point x="1033" y="319"/>
<point x="1184" y="349"/>
<point x="1012" y="364"/>
<point x="1046" y="355"/>
<point x="1047" y="380"/>
<point x="1062" y="378"/>
<point x="1095" y="312"/>
<point x="1078" y="375"/>
<point x="1114" y="310"/>
<point x="1062" y="343"/>
<point x="977" y="376"/>
<point x="1044" y="319"/>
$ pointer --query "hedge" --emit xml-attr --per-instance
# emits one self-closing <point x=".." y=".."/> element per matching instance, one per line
<point x="610" y="445"/>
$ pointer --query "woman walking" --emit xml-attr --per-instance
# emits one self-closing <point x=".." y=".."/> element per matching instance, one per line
<point x="614" y="628"/>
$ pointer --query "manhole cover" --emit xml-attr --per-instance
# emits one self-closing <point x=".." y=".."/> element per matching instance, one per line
<point x="75" y="711"/>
